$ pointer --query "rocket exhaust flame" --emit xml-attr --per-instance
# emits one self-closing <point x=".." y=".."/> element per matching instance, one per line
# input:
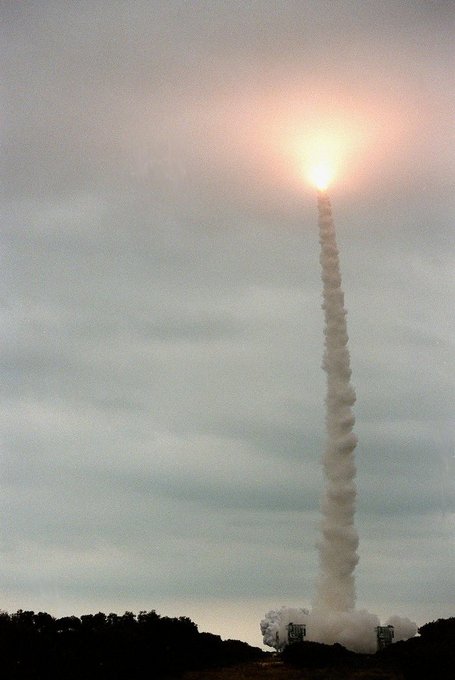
<point x="338" y="547"/>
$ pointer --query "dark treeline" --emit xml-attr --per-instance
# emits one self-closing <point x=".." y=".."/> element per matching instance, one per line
<point x="432" y="655"/>
<point x="429" y="656"/>
<point x="37" y="646"/>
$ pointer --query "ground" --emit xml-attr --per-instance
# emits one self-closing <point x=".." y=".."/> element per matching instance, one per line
<point x="274" y="669"/>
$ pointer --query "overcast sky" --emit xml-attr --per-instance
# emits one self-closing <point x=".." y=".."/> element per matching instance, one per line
<point x="162" y="413"/>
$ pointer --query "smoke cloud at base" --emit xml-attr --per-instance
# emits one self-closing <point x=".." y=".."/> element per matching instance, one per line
<point x="355" y="630"/>
<point x="274" y="625"/>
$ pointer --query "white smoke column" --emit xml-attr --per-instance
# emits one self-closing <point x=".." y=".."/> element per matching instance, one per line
<point x="338" y="547"/>
<point x="333" y="617"/>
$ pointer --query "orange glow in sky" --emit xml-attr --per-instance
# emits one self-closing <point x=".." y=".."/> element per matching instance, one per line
<point x="330" y="149"/>
<point x="325" y="152"/>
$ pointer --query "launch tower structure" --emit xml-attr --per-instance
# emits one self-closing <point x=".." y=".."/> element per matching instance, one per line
<point x="296" y="632"/>
<point x="385" y="635"/>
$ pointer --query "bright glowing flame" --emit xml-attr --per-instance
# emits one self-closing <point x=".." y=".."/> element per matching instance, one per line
<point x="323" y="148"/>
<point x="323" y="153"/>
<point x="320" y="175"/>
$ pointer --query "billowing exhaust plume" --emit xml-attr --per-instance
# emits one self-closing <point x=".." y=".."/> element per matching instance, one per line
<point x="274" y="626"/>
<point x="403" y="627"/>
<point x="355" y="630"/>
<point x="338" y="547"/>
<point x="334" y="617"/>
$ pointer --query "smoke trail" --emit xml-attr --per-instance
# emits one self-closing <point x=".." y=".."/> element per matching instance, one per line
<point x="333" y="617"/>
<point x="338" y="547"/>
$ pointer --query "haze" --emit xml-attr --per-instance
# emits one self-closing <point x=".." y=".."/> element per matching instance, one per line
<point x="162" y="408"/>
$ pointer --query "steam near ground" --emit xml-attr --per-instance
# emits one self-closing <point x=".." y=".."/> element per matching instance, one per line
<point x="355" y="630"/>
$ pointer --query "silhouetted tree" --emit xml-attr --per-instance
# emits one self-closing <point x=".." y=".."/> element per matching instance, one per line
<point x="317" y="655"/>
<point x="99" y="647"/>
<point x="441" y="629"/>
<point x="432" y="655"/>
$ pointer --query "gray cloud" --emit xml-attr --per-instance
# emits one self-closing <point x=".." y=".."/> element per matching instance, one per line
<point x="162" y="397"/>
